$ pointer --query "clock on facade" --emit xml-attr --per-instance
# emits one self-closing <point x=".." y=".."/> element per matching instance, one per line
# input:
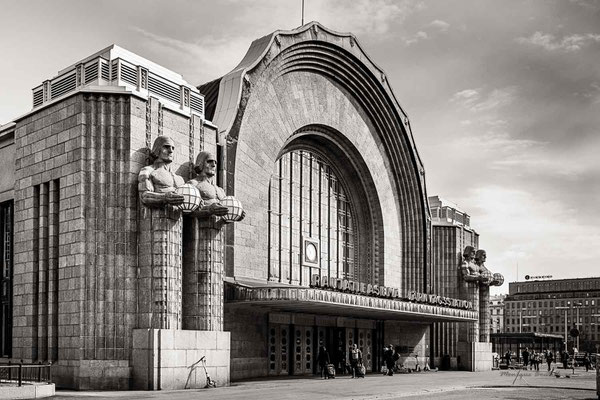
<point x="311" y="253"/>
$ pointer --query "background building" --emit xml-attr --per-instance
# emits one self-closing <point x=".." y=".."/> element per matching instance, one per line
<point x="451" y="234"/>
<point x="556" y="306"/>
<point x="497" y="313"/>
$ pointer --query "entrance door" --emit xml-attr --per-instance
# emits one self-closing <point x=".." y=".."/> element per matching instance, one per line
<point x="365" y="344"/>
<point x="303" y="350"/>
<point x="278" y="349"/>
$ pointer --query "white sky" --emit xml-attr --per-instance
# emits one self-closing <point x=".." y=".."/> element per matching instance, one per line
<point x="504" y="97"/>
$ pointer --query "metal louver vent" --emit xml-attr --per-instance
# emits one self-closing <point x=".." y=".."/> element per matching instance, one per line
<point x="63" y="86"/>
<point x="105" y="72"/>
<point x="197" y="103"/>
<point x="128" y="74"/>
<point x="164" y="89"/>
<point x="38" y="97"/>
<point x="114" y="68"/>
<point x="91" y="72"/>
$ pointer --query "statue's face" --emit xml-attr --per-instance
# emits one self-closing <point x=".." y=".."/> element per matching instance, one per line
<point x="166" y="152"/>
<point x="210" y="167"/>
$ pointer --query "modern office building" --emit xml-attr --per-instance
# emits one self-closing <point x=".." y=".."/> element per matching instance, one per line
<point x="556" y="307"/>
<point x="336" y="248"/>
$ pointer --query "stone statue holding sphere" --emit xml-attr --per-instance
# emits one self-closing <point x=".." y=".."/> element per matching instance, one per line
<point x="215" y="202"/>
<point x="159" y="246"/>
<point x="157" y="183"/>
<point x="203" y="235"/>
<point x="476" y="281"/>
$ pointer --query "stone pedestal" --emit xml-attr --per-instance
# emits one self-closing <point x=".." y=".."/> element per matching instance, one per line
<point x="484" y="313"/>
<point x="475" y="356"/>
<point x="203" y="272"/>
<point x="159" y="255"/>
<point x="166" y="359"/>
<point x="469" y="331"/>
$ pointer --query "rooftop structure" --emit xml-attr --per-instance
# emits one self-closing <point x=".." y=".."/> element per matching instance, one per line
<point x="115" y="67"/>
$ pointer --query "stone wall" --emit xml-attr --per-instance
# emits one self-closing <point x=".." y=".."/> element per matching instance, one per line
<point x="411" y="335"/>
<point x="248" y="328"/>
<point x="167" y="359"/>
<point x="75" y="233"/>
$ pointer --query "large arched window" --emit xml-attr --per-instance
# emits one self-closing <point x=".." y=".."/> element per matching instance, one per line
<point x="308" y="200"/>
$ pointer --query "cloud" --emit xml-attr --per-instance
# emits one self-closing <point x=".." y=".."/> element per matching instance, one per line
<point x="521" y="222"/>
<point x="441" y="25"/>
<point x="196" y="60"/>
<point x="473" y="100"/>
<point x="421" y="35"/>
<point x="568" y="43"/>
<point x="362" y="17"/>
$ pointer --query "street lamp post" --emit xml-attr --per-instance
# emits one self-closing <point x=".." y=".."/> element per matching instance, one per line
<point x="577" y="306"/>
<point x="566" y="334"/>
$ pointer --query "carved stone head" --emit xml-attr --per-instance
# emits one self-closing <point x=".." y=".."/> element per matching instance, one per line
<point x="480" y="257"/>
<point x="206" y="163"/>
<point x="469" y="253"/>
<point x="163" y="149"/>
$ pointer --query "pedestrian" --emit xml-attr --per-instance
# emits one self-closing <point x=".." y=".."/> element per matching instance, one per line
<point x="587" y="362"/>
<point x="565" y="359"/>
<point x="388" y="358"/>
<point x="525" y="355"/>
<point x="507" y="356"/>
<point x="323" y="360"/>
<point x="355" y="360"/>
<point x="537" y="358"/>
<point x="549" y="357"/>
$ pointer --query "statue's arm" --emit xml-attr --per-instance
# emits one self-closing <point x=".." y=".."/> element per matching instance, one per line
<point x="149" y="197"/>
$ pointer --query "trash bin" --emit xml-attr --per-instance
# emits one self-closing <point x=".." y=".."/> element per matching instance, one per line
<point x="445" y="366"/>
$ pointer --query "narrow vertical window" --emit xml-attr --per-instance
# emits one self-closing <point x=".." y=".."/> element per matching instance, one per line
<point x="309" y="200"/>
<point x="6" y="270"/>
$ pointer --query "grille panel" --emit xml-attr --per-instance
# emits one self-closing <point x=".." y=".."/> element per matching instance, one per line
<point x="163" y="89"/>
<point x="63" y="86"/>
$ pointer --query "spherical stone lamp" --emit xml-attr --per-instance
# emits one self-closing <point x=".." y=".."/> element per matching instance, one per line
<point x="498" y="279"/>
<point x="486" y="277"/>
<point x="235" y="212"/>
<point x="192" y="199"/>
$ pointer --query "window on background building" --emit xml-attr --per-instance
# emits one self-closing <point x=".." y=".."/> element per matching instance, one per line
<point x="6" y="273"/>
<point x="551" y="303"/>
<point x="593" y="302"/>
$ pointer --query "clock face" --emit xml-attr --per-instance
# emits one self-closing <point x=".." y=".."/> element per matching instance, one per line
<point x="311" y="252"/>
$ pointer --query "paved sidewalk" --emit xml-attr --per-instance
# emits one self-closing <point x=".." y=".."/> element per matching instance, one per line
<point x="374" y="386"/>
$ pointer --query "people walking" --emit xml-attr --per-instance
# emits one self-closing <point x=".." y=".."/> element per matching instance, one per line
<point x="323" y="360"/>
<point x="525" y="355"/>
<point x="565" y="359"/>
<point x="549" y="357"/>
<point x="587" y="362"/>
<point x="388" y="358"/>
<point x="355" y="360"/>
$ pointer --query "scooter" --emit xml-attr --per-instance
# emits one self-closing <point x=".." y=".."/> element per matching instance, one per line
<point x="209" y="382"/>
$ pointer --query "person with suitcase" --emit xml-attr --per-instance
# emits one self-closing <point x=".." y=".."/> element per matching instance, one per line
<point x="323" y="361"/>
<point x="356" y="361"/>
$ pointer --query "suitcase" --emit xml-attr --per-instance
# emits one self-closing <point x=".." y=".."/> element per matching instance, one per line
<point x="330" y="371"/>
<point x="361" y="371"/>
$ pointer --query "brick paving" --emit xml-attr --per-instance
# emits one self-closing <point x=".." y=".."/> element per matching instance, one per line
<point x="446" y="384"/>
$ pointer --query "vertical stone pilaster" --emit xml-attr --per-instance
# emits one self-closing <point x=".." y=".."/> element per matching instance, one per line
<point x="470" y="330"/>
<point x="203" y="274"/>
<point x="484" y="313"/>
<point x="159" y="299"/>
